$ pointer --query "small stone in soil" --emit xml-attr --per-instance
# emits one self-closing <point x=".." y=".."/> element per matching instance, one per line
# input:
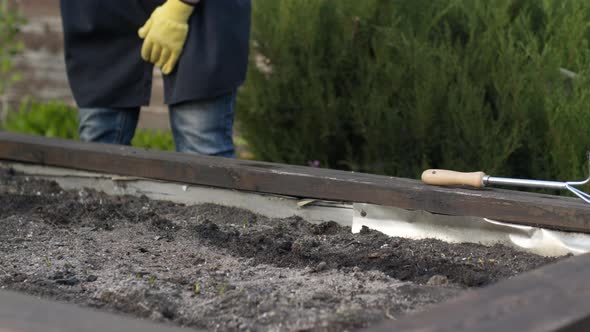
<point x="438" y="280"/>
<point x="321" y="267"/>
<point x="20" y="277"/>
<point x="91" y="278"/>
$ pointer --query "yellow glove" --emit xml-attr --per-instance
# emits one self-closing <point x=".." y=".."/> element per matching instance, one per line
<point x="165" y="33"/>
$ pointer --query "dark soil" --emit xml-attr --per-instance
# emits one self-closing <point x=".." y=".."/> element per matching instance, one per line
<point x="222" y="268"/>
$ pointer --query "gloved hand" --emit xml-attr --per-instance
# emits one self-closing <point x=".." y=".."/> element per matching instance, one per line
<point x="165" y="33"/>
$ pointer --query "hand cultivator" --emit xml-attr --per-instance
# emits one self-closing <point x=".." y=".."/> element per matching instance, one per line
<point x="480" y="180"/>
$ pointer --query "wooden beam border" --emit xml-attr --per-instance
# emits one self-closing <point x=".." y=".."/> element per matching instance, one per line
<point x="538" y="210"/>
<point x="25" y="313"/>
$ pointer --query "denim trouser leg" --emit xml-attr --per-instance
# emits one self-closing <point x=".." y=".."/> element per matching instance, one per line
<point x="204" y="127"/>
<point x="200" y="127"/>
<point x="108" y="125"/>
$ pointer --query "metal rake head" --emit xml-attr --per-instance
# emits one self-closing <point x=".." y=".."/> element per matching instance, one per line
<point x="571" y="185"/>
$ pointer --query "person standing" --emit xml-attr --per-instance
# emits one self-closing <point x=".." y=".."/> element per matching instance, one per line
<point x="201" y="46"/>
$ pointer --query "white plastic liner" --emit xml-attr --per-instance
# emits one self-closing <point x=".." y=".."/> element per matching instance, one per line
<point x="389" y="220"/>
<point x="453" y="229"/>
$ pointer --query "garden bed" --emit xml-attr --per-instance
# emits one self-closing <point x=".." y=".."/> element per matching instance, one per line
<point x="215" y="267"/>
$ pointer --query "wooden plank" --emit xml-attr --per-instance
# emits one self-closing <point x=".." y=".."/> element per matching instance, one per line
<point x="511" y="206"/>
<point x="21" y="313"/>
<point x="555" y="298"/>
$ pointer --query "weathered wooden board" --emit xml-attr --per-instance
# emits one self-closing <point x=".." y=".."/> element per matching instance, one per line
<point x="510" y="206"/>
<point x="21" y="313"/>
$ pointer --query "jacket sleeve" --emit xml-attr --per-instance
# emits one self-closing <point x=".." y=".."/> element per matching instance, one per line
<point x="191" y="2"/>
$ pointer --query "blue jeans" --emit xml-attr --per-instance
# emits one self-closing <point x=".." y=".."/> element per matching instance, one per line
<point x="200" y="127"/>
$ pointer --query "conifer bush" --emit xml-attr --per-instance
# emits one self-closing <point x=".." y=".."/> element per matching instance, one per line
<point x="395" y="86"/>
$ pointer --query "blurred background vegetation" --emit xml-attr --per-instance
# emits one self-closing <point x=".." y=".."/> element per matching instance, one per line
<point x="395" y="86"/>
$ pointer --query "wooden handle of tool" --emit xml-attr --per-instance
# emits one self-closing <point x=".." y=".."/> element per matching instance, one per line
<point x="441" y="177"/>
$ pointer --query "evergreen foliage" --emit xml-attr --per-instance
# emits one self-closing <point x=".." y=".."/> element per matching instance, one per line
<point x="395" y="86"/>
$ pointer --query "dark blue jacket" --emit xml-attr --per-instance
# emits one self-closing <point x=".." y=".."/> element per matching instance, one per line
<point x="103" y="52"/>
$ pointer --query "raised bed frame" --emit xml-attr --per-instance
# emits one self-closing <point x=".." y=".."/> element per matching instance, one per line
<point x="553" y="298"/>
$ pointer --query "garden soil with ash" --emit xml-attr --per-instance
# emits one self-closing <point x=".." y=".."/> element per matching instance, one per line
<point x="221" y="268"/>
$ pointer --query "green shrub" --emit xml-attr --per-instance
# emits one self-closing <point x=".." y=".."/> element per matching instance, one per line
<point x="153" y="139"/>
<point x="396" y="86"/>
<point x="10" y="22"/>
<point x="56" y="119"/>
<point x="53" y="119"/>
